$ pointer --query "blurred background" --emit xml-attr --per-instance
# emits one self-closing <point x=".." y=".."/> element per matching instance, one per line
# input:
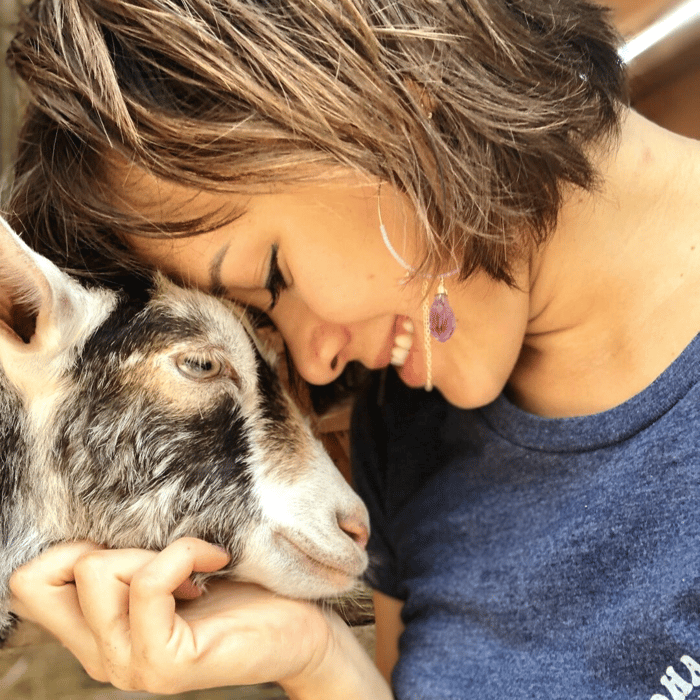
<point x="663" y="50"/>
<point x="9" y="106"/>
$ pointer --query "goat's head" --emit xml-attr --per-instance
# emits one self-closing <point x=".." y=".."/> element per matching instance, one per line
<point x="143" y="420"/>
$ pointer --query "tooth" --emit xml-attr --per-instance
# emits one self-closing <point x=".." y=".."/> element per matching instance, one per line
<point x="404" y="341"/>
<point x="408" y="325"/>
<point x="398" y="356"/>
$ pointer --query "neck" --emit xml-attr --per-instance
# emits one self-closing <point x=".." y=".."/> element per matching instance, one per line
<point x="612" y="295"/>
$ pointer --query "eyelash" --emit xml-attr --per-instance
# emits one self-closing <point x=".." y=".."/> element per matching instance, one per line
<point x="275" y="282"/>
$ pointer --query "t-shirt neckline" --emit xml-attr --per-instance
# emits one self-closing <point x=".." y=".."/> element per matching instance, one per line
<point x="598" y="430"/>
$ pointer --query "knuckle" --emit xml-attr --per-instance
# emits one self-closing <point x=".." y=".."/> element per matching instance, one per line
<point x="121" y="683"/>
<point x="96" y="672"/>
<point x="144" y="583"/>
<point x="121" y="677"/>
<point x="159" y="687"/>
<point x="153" y="674"/>
<point x="90" y="565"/>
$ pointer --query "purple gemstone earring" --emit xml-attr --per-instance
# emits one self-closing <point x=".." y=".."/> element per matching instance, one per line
<point x="442" y="317"/>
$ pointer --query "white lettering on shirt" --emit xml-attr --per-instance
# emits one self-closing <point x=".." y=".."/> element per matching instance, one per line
<point x="678" y="687"/>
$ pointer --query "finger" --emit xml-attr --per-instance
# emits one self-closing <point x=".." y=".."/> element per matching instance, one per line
<point x="188" y="590"/>
<point x="44" y="592"/>
<point x="152" y="605"/>
<point x="102" y="582"/>
<point x="54" y="567"/>
<point x="102" y="579"/>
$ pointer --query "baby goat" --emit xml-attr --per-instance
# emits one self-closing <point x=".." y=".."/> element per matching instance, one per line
<point x="132" y="422"/>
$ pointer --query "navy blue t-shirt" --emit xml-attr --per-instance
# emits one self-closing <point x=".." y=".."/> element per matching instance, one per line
<point x="538" y="558"/>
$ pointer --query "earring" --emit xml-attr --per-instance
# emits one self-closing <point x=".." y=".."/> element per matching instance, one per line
<point x="442" y="318"/>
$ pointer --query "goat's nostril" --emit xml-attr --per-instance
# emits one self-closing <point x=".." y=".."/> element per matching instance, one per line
<point x="355" y="528"/>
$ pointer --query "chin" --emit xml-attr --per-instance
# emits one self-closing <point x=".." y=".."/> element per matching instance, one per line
<point x="462" y="389"/>
<point x="469" y="396"/>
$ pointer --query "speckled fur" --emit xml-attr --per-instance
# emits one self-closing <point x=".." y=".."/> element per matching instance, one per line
<point x="103" y="437"/>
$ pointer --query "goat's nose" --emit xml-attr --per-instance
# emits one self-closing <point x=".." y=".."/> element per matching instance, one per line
<point x="355" y="527"/>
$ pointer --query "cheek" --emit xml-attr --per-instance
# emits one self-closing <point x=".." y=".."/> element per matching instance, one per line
<point x="347" y="275"/>
<point x="348" y="296"/>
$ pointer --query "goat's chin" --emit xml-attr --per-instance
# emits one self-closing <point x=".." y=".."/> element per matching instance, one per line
<point x="290" y="568"/>
<point x="335" y="573"/>
<point x="304" y="585"/>
<point x="314" y="587"/>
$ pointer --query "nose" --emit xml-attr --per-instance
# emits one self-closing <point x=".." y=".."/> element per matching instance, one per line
<point x="355" y="527"/>
<point x="315" y="344"/>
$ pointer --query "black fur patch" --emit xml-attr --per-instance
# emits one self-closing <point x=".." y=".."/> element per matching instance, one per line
<point x="274" y="406"/>
<point x="118" y="443"/>
<point x="133" y="327"/>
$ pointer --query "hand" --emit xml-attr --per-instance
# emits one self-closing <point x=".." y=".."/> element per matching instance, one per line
<point x="116" y="612"/>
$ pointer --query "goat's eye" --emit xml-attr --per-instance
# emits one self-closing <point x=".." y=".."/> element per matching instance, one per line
<point x="198" y="367"/>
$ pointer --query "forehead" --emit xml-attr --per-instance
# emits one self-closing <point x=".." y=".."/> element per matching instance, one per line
<point x="135" y="190"/>
<point x="169" y="316"/>
<point x="233" y="231"/>
<point x="186" y="258"/>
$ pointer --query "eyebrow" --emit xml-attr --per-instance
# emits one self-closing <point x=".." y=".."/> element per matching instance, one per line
<point x="216" y="285"/>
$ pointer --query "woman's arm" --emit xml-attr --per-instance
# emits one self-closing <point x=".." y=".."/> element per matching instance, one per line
<point x="115" y="610"/>
<point x="346" y="672"/>
<point x="387" y="612"/>
<point x="364" y="679"/>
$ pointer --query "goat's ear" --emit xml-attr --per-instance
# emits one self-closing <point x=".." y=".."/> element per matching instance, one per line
<point x="34" y="294"/>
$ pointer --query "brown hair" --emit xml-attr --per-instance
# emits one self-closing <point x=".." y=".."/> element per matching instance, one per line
<point x="229" y="94"/>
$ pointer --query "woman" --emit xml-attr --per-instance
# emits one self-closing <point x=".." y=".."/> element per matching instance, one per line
<point x="456" y="189"/>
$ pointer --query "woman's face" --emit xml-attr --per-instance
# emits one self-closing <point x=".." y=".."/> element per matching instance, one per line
<point x="313" y="258"/>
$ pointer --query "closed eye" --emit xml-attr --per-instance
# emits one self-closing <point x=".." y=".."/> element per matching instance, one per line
<point x="275" y="282"/>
